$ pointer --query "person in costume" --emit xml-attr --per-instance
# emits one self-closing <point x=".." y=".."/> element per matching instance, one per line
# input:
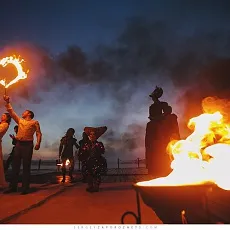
<point x="96" y="164"/>
<point x="83" y="155"/>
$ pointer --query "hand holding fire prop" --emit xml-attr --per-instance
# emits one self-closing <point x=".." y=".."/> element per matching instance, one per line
<point x="17" y="63"/>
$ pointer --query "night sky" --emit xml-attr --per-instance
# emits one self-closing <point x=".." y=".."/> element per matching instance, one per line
<point x="141" y="43"/>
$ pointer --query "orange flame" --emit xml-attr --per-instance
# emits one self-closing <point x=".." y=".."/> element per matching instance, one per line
<point x="66" y="163"/>
<point x="17" y="63"/>
<point x="202" y="157"/>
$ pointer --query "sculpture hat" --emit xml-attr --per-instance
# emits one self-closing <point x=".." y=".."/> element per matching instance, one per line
<point x="157" y="92"/>
<point x="99" y="131"/>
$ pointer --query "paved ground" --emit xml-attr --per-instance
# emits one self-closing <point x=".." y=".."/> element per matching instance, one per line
<point x="75" y="206"/>
<point x="51" y="202"/>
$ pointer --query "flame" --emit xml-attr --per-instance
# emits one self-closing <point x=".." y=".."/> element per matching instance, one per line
<point x="203" y="157"/>
<point x="66" y="163"/>
<point x="17" y="63"/>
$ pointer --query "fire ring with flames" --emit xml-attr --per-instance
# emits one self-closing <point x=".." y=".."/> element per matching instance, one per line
<point x="17" y="63"/>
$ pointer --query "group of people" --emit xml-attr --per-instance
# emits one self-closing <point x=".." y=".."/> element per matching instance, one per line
<point x="90" y="154"/>
<point x="90" y="151"/>
<point x="24" y="145"/>
<point x="160" y="130"/>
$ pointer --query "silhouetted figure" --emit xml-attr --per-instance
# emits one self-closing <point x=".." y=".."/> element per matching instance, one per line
<point x="171" y="124"/>
<point x="4" y="126"/>
<point x="96" y="164"/>
<point x="83" y="156"/>
<point x="66" y="152"/>
<point x="10" y="158"/>
<point x="153" y="137"/>
<point x="156" y="109"/>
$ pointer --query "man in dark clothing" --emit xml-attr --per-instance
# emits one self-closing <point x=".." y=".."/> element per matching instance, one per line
<point x="10" y="158"/>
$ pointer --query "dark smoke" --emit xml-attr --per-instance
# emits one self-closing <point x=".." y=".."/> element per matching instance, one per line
<point x="146" y="53"/>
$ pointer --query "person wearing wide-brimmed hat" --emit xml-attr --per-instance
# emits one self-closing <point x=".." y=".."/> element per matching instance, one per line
<point x="96" y="164"/>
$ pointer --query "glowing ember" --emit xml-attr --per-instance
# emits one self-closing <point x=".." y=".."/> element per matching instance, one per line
<point x="66" y="163"/>
<point x="203" y="157"/>
<point x="17" y="63"/>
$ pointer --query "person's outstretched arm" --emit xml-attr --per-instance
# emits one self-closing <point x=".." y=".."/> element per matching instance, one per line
<point x="10" y="110"/>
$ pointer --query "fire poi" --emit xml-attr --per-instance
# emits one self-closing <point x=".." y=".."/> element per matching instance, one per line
<point x="17" y="63"/>
<point x="66" y="163"/>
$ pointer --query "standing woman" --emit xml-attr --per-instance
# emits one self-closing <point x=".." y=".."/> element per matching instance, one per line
<point x="66" y="152"/>
<point x="96" y="164"/>
<point x="4" y="125"/>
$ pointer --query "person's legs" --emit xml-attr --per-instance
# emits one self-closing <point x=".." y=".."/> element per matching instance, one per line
<point x="63" y="169"/>
<point x="89" y="175"/>
<point x="16" y="163"/>
<point x="26" y="157"/>
<point x="8" y="162"/>
<point x="71" y="169"/>
<point x="96" y="182"/>
<point x="83" y="171"/>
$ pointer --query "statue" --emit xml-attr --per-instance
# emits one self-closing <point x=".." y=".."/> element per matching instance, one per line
<point x="160" y="130"/>
<point x="155" y="110"/>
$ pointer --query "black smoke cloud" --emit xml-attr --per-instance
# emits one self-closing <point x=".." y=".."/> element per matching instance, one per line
<point x="146" y="53"/>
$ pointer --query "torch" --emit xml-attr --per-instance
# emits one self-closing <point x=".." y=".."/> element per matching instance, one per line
<point x="17" y="63"/>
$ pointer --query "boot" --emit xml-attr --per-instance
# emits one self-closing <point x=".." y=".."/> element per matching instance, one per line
<point x="95" y="186"/>
<point x="90" y="184"/>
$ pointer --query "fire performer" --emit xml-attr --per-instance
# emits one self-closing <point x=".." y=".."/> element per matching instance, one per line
<point x="82" y="155"/>
<point x="4" y="125"/>
<point x="27" y="126"/>
<point x="66" y="152"/>
<point x="96" y="164"/>
<point x="10" y="158"/>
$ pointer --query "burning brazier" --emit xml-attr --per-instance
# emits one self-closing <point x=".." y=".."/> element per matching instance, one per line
<point x="177" y="204"/>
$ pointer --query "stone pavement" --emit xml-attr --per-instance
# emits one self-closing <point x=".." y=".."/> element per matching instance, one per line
<point x="15" y="204"/>
<point x="73" y="205"/>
